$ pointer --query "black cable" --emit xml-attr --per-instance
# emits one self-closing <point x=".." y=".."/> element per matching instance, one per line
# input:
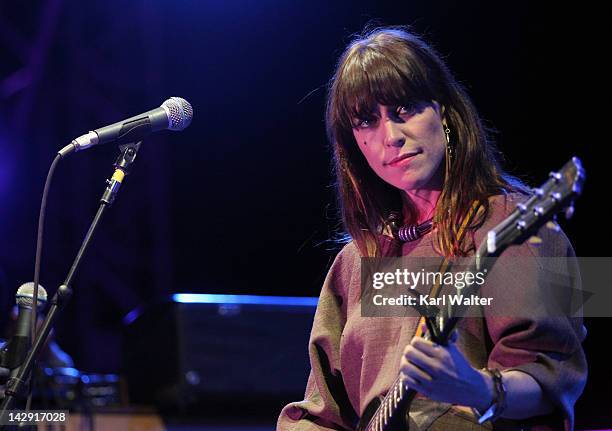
<point x="39" y="241"/>
<point x="39" y="244"/>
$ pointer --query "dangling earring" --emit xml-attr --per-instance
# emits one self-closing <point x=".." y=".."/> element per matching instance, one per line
<point x="449" y="148"/>
<point x="449" y="152"/>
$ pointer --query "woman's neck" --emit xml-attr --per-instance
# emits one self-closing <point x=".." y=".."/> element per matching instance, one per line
<point x="424" y="201"/>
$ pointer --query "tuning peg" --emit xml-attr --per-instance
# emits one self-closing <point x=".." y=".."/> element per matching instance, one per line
<point x="555" y="176"/>
<point x="538" y="192"/>
<point x="538" y="211"/>
<point x="569" y="211"/>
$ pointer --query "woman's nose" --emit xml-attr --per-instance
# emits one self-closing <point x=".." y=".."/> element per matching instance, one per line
<point x="393" y="135"/>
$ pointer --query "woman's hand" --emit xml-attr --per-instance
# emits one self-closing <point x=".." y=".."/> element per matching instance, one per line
<point x="443" y="374"/>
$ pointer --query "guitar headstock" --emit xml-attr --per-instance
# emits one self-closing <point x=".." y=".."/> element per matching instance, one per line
<point x="556" y="194"/>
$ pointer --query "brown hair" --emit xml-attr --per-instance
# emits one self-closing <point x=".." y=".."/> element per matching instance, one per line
<point x="393" y="66"/>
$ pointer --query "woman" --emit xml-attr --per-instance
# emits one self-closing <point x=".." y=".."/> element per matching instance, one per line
<point x="409" y="148"/>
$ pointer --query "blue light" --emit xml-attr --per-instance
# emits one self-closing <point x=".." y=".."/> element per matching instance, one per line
<point x="206" y="298"/>
<point x="131" y="316"/>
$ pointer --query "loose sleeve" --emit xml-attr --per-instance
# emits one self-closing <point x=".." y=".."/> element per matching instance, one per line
<point x="533" y="329"/>
<point x="326" y="404"/>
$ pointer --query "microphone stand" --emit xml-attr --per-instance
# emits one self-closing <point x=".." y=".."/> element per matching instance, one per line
<point x="16" y="387"/>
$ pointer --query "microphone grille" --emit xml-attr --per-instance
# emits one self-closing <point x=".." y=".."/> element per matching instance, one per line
<point x="181" y="113"/>
<point x="25" y="295"/>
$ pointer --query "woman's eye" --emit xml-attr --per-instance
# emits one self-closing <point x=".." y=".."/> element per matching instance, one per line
<point x="364" y="124"/>
<point x="405" y="110"/>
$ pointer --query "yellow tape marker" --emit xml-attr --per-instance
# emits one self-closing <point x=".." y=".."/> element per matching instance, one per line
<point x="119" y="175"/>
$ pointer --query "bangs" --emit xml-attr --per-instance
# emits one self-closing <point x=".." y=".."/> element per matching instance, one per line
<point x="370" y="78"/>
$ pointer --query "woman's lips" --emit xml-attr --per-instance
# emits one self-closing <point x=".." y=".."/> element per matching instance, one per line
<point x="403" y="159"/>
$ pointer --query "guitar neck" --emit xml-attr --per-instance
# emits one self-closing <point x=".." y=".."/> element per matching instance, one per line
<point x="400" y="396"/>
<point x="397" y="399"/>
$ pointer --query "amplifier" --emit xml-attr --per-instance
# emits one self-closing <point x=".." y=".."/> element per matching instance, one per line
<point x="198" y="347"/>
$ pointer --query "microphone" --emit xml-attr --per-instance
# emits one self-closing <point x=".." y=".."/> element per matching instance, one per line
<point x="14" y="352"/>
<point x="174" y="114"/>
<point x="25" y="299"/>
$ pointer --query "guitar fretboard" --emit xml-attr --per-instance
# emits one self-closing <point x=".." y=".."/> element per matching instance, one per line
<point x="398" y="396"/>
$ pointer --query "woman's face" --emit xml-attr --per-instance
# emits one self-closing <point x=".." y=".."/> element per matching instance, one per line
<point x="405" y="146"/>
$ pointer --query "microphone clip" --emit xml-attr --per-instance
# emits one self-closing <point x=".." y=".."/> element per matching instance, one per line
<point x="127" y="156"/>
<point x="122" y="168"/>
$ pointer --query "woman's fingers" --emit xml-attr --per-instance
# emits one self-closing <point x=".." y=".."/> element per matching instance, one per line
<point x="413" y="356"/>
<point x="412" y="382"/>
<point x="432" y="349"/>
<point x="415" y="372"/>
<point x="427" y="347"/>
<point x="424" y="361"/>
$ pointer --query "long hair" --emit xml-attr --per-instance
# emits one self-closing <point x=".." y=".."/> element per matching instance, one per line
<point x="393" y="66"/>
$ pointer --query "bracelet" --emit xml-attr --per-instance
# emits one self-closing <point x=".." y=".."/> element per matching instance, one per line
<point x="499" y="399"/>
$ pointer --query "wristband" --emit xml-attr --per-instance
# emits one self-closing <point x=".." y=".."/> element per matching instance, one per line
<point x="499" y="398"/>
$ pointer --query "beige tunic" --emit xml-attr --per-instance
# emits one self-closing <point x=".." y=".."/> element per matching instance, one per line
<point x="355" y="359"/>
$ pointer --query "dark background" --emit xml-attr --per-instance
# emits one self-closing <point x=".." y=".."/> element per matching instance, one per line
<point x="242" y="201"/>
